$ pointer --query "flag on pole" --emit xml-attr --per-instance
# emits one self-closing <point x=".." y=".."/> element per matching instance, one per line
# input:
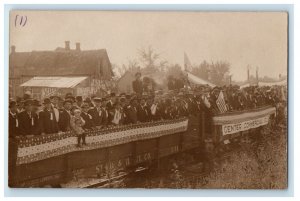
<point x="187" y="64"/>
<point x="221" y="103"/>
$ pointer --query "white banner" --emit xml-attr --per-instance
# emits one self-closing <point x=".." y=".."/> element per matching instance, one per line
<point x="245" y="125"/>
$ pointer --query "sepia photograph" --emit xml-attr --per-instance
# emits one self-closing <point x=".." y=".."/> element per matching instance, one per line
<point x="148" y="99"/>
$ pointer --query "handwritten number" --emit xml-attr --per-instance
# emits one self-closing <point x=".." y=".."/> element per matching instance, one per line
<point x="20" y="20"/>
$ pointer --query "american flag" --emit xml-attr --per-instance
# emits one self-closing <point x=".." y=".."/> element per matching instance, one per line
<point x="221" y="103"/>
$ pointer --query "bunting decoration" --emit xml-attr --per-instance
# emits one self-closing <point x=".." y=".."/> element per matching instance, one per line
<point x="51" y="145"/>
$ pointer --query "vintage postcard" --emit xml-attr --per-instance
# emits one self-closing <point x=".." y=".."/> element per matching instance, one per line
<point x="140" y="99"/>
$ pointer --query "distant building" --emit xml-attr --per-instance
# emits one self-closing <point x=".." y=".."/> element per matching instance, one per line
<point x="66" y="62"/>
<point x="124" y="84"/>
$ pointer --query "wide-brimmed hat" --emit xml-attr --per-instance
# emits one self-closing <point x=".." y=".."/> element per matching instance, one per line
<point x="97" y="99"/>
<point x="28" y="102"/>
<point x="85" y="105"/>
<point x="54" y="96"/>
<point x="68" y="101"/>
<point x="47" y="101"/>
<point x="36" y="103"/>
<point x="78" y="98"/>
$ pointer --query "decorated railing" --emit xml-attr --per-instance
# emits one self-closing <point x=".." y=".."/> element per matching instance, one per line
<point x="46" y="146"/>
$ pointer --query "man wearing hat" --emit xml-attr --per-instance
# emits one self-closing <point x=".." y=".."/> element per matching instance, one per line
<point x="28" y="121"/>
<point x="79" y="101"/>
<point x="116" y="115"/>
<point x="20" y="104"/>
<point x="89" y="123"/>
<point x="89" y="102"/>
<point x="54" y="100"/>
<point x="48" y="121"/>
<point x="104" y="115"/>
<point x="131" y="111"/>
<point x="70" y="97"/>
<point x="111" y="101"/>
<point x="142" y="110"/>
<point x="55" y="105"/>
<point x="65" y="116"/>
<point x="96" y="112"/>
<point x="137" y="84"/>
<point x="13" y="129"/>
<point x="13" y="132"/>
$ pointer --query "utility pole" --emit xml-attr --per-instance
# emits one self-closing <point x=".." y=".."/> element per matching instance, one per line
<point x="248" y="74"/>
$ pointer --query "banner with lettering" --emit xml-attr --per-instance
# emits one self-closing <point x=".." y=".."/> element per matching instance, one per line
<point x="246" y="125"/>
<point x="234" y="122"/>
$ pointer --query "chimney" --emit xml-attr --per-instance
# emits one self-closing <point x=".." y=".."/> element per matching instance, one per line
<point x="13" y="49"/>
<point x="78" y="46"/>
<point x="67" y="45"/>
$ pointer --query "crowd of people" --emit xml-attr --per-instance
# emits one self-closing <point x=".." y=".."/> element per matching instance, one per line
<point x="29" y="117"/>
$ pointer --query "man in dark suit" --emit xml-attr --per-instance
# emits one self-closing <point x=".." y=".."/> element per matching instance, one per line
<point x="79" y="101"/>
<point x="137" y="84"/>
<point x="104" y="115"/>
<point x="96" y="111"/>
<point x="111" y="101"/>
<point x="28" y="121"/>
<point x="142" y="111"/>
<point x="65" y="116"/>
<point x="13" y="120"/>
<point x="13" y="141"/>
<point x="48" y="121"/>
<point x="89" y="123"/>
<point x="131" y="112"/>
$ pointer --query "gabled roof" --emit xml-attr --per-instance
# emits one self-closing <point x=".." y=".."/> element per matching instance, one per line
<point x="51" y="63"/>
<point x="54" y="82"/>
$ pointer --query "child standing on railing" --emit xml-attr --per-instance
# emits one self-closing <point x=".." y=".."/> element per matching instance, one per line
<point x="77" y="123"/>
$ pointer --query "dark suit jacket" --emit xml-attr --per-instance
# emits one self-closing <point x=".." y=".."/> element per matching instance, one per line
<point x="28" y="125"/>
<point x="137" y="87"/>
<point x="109" y="106"/>
<point x="13" y="129"/>
<point x="131" y="115"/>
<point x="64" y="120"/>
<point x="48" y="125"/>
<point x="89" y="123"/>
<point x="104" y="117"/>
<point x="142" y="114"/>
<point x="95" y="115"/>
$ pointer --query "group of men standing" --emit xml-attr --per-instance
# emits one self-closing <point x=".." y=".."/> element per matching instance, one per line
<point x="30" y="117"/>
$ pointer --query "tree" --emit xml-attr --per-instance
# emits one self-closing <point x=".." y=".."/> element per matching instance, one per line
<point x="120" y="71"/>
<point x="202" y="70"/>
<point x="149" y="57"/>
<point x="216" y="72"/>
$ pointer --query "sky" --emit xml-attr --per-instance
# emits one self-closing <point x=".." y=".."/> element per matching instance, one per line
<point x="257" y="39"/>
